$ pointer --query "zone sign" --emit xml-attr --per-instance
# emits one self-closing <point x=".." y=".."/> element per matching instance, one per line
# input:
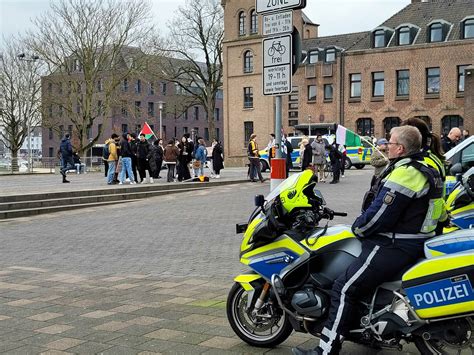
<point x="264" y="6"/>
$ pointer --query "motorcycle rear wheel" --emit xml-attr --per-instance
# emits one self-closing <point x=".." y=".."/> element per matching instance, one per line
<point x="254" y="330"/>
<point x="450" y="343"/>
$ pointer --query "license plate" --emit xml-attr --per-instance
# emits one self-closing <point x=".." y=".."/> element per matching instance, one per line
<point x="444" y="292"/>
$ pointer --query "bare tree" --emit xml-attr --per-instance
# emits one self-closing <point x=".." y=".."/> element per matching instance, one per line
<point x="20" y="87"/>
<point x="191" y="57"/>
<point x="86" y="43"/>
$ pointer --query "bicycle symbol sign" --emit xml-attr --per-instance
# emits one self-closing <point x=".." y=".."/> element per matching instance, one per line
<point x="276" y="47"/>
<point x="277" y="51"/>
<point x="277" y="65"/>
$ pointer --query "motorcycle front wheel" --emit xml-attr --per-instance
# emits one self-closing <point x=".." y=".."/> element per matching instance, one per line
<point x="266" y="328"/>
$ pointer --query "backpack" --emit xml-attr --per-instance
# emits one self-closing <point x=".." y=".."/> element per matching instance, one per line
<point x="106" y="152"/>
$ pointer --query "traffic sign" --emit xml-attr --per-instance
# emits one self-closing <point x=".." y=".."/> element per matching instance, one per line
<point x="266" y="6"/>
<point x="278" y="23"/>
<point x="277" y="61"/>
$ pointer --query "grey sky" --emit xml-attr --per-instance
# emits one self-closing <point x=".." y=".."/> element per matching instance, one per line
<point x="334" y="16"/>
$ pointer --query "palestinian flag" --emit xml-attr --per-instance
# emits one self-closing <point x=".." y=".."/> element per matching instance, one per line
<point x="147" y="131"/>
<point x="347" y="137"/>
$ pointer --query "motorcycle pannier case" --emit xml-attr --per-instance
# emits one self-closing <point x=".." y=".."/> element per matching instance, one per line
<point x="459" y="241"/>
<point x="441" y="286"/>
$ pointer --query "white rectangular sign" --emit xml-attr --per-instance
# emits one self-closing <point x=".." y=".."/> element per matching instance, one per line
<point x="278" y="23"/>
<point x="264" y="6"/>
<point x="277" y="62"/>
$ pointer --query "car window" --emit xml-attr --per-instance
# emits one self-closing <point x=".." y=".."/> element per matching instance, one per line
<point x="467" y="154"/>
<point x="295" y="143"/>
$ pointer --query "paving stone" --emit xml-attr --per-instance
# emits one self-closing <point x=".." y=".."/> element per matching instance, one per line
<point x="54" y="352"/>
<point x="220" y="342"/>
<point x="90" y="348"/>
<point x="100" y="336"/>
<point x="126" y="308"/>
<point x="156" y="345"/>
<point x="192" y="338"/>
<point x="97" y="314"/>
<point x="144" y="320"/>
<point x="45" y="316"/>
<point x="20" y="303"/>
<point x="64" y="343"/>
<point x="148" y="353"/>
<point x="119" y="350"/>
<point x="197" y="319"/>
<point x="112" y="326"/>
<point x="138" y="330"/>
<point x="129" y="340"/>
<point x="40" y="339"/>
<point x="26" y="349"/>
<point x="54" y="329"/>
<point x="164" y="334"/>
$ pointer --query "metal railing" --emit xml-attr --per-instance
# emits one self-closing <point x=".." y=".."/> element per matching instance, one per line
<point x="48" y="166"/>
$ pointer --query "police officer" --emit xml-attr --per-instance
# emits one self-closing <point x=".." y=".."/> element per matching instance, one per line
<point x="392" y="230"/>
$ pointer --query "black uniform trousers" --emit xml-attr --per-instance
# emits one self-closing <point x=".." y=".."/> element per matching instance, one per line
<point x="380" y="261"/>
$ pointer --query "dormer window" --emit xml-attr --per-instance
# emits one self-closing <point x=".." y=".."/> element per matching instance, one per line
<point x="241" y="23"/>
<point x="436" y="32"/>
<point x="379" y="39"/>
<point x="468" y="28"/>
<point x="313" y="57"/>
<point x="330" y="55"/>
<point x="406" y="34"/>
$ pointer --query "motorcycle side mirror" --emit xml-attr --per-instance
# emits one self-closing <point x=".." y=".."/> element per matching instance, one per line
<point x="456" y="169"/>
<point x="259" y="200"/>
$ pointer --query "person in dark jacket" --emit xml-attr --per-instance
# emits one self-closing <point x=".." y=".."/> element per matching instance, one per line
<point x="155" y="158"/>
<point x="307" y="156"/>
<point x="184" y="158"/>
<point x="143" y="148"/>
<point x="217" y="158"/>
<point x="170" y="155"/>
<point x="453" y="138"/>
<point x="134" y="146"/>
<point x="335" y="157"/>
<point x="67" y="160"/>
<point x="288" y="150"/>
<point x="126" y="154"/>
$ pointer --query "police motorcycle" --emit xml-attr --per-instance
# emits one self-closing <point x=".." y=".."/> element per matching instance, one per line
<point x="460" y="202"/>
<point x="294" y="264"/>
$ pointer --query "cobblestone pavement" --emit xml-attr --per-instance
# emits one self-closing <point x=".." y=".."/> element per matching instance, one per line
<point x="145" y="277"/>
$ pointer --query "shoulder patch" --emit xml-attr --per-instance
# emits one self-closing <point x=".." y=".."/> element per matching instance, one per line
<point x="389" y="198"/>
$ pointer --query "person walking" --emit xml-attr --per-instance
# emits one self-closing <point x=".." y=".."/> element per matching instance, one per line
<point x="201" y="157"/>
<point x="254" y="159"/>
<point x="307" y="155"/>
<point x="392" y="231"/>
<point x="143" y="148"/>
<point x="112" y="158"/>
<point x="319" y="157"/>
<point x="170" y="155"/>
<point x="126" y="153"/>
<point x="379" y="159"/>
<point x="335" y="158"/>
<point x="217" y="158"/>
<point x="67" y="160"/>
<point x="184" y="158"/>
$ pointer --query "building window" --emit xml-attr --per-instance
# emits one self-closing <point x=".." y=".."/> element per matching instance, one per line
<point x="248" y="97"/>
<point x="125" y="85"/>
<point x="124" y="128"/>
<point x="138" y="86"/>
<point x="151" y="109"/>
<point x="196" y="113"/>
<point x="330" y="55"/>
<point x="163" y="88"/>
<point x="451" y="121"/>
<point x="100" y="108"/>
<point x="196" y="131"/>
<point x="100" y="87"/>
<point x="69" y="130"/>
<point x="51" y="152"/>
<point x="328" y="92"/>
<point x="365" y="127"/>
<point x="248" y="62"/>
<point x="151" y="89"/>
<point x="432" y="80"/>
<point x="404" y="36"/>
<point x="185" y="130"/>
<point x="206" y="133"/>
<point x="379" y="39"/>
<point x="461" y="76"/>
<point x="436" y="32"/>
<point x="253" y="22"/>
<point x="389" y="123"/>
<point x="403" y="82"/>
<point x="241" y="23"/>
<point x="138" y="104"/>
<point x="313" y="57"/>
<point x="50" y="133"/>
<point x="138" y="128"/>
<point x="311" y="93"/>
<point x="378" y="84"/>
<point x="248" y="130"/>
<point x="468" y="28"/>
<point x="218" y="136"/>
<point x="186" y="114"/>
<point x="124" y="108"/>
<point x="217" y="114"/>
<point x="61" y="131"/>
<point x="355" y="85"/>
<point x="99" y="128"/>
<point x="89" y="132"/>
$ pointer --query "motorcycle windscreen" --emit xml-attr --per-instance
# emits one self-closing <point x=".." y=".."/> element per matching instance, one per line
<point x="441" y="286"/>
<point x="455" y="242"/>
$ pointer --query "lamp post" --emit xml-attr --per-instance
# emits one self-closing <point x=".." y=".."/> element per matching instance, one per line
<point x="160" y="107"/>
<point x="309" y="126"/>
<point x="90" y="141"/>
<point x="29" y="59"/>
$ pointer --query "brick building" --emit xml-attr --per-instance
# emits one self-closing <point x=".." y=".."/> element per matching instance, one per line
<point x="136" y="100"/>
<point x="413" y="64"/>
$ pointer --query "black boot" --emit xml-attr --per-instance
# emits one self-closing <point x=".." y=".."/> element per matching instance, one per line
<point x="64" y="180"/>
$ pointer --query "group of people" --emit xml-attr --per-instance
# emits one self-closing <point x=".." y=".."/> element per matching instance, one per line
<point x="184" y="159"/>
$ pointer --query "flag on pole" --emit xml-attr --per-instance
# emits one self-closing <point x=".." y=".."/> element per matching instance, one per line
<point x="346" y="137"/>
<point x="147" y="131"/>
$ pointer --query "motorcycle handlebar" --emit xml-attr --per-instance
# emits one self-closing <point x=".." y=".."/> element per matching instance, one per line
<point x="341" y="214"/>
